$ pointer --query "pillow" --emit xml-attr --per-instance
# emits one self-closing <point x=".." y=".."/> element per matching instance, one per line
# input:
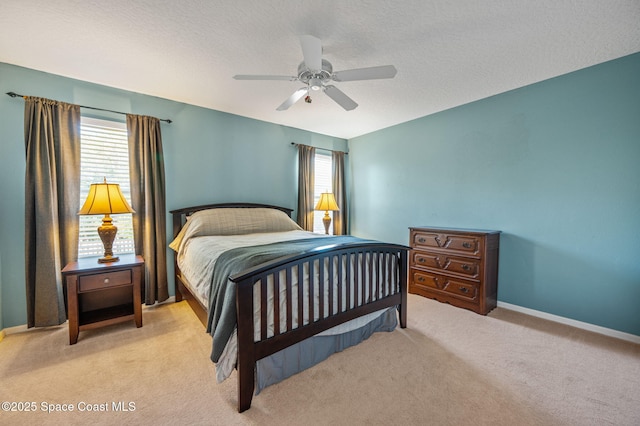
<point x="234" y="221"/>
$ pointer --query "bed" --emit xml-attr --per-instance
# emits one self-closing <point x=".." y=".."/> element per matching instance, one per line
<point x="277" y="299"/>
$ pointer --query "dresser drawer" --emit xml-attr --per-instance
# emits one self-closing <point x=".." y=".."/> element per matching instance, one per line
<point x="466" y="267"/>
<point x="467" y="290"/>
<point x="463" y="244"/>
<point x="108" y="279"/>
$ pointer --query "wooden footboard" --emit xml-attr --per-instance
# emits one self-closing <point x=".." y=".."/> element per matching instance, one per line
<point x="348" y="281"/>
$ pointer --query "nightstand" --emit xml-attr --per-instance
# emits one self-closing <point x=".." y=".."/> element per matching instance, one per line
<point x="100" y="294"/>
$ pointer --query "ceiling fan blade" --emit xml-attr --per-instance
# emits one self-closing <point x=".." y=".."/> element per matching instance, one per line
<point x="341" y="99"/>
<point x="312" y="52"/>
<point x="383" y="71"/>
<point x="292" y="99"/>
<point x="265" y="77"/>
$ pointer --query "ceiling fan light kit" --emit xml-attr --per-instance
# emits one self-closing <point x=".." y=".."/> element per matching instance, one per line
<point x="316" y="73"/>
<point x="315" y="84"/>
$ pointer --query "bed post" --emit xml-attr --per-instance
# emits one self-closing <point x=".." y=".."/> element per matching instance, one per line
<point x="403" y="288"/>
<point x="246" y="348"/>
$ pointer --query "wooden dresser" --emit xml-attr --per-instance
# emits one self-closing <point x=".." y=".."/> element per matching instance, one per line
<point x="456" y="266"/>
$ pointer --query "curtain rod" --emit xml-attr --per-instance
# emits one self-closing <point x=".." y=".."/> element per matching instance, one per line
<point x="321" y="149"/>
<point x="14" y="95"/>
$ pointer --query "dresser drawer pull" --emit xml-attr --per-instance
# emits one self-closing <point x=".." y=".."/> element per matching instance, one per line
<point x="106" y="280"/>
<point x="464" y="289"/>
<point x="421" y="259"/>
<point x="421" y="240"/>
<point x="465" y="267"/>
<point x="466" y="245"/>
<point x="420" y="279"/>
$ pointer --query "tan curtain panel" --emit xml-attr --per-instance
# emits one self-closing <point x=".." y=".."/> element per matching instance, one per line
<point x="146" y="165"/>
<point x="52" y="200"/>
<point x="306" y="183"/>
<point x="340" y="193"/>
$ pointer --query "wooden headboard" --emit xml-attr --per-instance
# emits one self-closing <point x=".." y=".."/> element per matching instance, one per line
<point x="180" y="215"/>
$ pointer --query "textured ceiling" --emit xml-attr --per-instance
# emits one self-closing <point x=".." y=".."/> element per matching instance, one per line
<point x="447" y="52"/>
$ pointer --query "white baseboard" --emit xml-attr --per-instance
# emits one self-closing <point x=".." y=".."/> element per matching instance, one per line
<point x="567" y="321"/>
<point x="18" y="329"/>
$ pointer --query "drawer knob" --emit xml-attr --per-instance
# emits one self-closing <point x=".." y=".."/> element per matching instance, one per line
<point x="465" y="267"/>
<point x="421" y="240"/>
<point x="106" y="280"/>
<point x="464" y="289"/>
<point x="420" y="279"/>
<point x="421" y="259"/>
<point x="466" y="245"/>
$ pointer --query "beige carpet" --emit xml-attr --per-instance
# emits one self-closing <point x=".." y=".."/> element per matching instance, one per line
<point x="449" y="367"/>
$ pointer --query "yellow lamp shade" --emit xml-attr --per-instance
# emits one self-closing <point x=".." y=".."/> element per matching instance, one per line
<point x="327" y="202"/>
<point x="105" y="198"/>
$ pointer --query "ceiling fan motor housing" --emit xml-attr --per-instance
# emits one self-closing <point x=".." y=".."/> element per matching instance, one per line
<point x="315" y="78"/>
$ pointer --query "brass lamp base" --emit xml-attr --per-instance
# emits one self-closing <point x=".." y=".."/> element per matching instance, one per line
<point x="108" y="259"/>
<point x="107" y="232"/>
<point x="327" y="222"/>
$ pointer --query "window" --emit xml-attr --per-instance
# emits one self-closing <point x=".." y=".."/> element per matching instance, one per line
<point x="323" y="183"/>
<point x="104" y="153"/>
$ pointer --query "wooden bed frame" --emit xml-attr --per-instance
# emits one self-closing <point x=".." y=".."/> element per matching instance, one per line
<point x="381" y="256"/>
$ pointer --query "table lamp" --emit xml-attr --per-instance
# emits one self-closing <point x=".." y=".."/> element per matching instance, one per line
<point x="107" y="199"/>
<point x="327" y="202"/>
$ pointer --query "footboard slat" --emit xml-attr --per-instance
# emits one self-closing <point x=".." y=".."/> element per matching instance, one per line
<point x="372" y="279"/>
<point x="289" y="302"/>
<point x="330" y="306"/>
<point x="276" y="303"/>
<point x="300" y="295"/>
<point x="349" y="261"/>
<point x="321" y="289"/>
<point x="340" y="284"/>
<point x="263" y="306"/>
<point x="379" y="280"/>
<point x="360" y="264"/>
<point x="383" y="289"/>
<point x="311" y="292"/>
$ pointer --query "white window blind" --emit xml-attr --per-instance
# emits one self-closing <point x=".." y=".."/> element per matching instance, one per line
<point x="104" y="154"/>
<point x="323" y="183"/>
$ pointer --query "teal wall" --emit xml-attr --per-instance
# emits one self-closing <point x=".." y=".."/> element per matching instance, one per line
<point x="555" y="166"/>
<point x="209" y="157"/>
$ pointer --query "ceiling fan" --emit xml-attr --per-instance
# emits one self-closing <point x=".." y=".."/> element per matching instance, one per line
<point x="316" y="73"/>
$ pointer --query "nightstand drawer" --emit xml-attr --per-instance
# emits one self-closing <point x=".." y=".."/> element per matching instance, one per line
<point x="99" y="281"/>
